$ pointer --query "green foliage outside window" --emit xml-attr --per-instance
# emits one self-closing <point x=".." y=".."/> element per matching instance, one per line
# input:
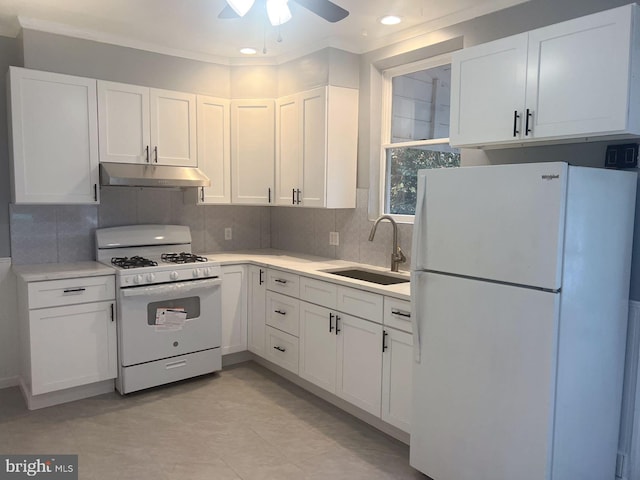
<point x="402" y="173"/>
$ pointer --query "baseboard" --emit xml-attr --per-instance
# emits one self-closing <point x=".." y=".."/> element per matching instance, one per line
<point x="337" y="401"/>
<point x="35" y="402"/>
<point x="238" y="357"/>
<point x="9" y="381"/>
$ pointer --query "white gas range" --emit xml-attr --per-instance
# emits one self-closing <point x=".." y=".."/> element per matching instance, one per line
<point x="168" y="305"/>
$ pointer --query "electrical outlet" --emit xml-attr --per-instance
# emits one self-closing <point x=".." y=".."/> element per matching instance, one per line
<point x="228" y="234"/>
<point x="334" y="238"/>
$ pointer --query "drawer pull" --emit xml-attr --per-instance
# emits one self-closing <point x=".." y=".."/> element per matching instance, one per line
<point x="280" y="280"/>
<point x="280" y="349"/>
<point x="179" y="364"/>
<point x="279" y="312"/>
<point x="400" y="313"/>
<point x="74" y="290"/>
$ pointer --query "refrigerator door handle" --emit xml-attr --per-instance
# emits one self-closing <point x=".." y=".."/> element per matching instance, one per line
<point x="416" y="309"/>
<point x="419" y="225"/>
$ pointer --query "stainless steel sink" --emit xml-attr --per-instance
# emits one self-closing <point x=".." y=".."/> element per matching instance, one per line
<point x="372" y="276"/>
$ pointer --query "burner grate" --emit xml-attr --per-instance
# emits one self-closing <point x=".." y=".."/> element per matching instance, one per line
<point x="182" y="258"/>
<point x="133" y="262"/>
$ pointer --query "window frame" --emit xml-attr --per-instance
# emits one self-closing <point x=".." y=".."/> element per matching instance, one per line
<point x="386" y="120"/>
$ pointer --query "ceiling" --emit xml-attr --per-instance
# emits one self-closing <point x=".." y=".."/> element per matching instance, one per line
<point x="190" y="28"/>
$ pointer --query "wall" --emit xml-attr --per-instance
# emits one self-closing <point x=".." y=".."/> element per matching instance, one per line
<point x="8" y="326"/>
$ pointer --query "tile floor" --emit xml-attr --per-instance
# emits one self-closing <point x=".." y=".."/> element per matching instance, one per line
<point x="243" y="423"/>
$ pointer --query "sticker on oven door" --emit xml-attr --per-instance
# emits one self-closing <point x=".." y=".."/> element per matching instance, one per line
<point x="170" y="319"/>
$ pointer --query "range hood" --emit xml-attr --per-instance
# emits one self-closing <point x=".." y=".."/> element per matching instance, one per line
<point x="140" y="175"/>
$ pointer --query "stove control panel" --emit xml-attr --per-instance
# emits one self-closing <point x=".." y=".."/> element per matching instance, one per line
<point x="168" y="275"/>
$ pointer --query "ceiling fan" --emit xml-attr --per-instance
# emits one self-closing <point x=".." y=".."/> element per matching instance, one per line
<point x="279" y="13"/>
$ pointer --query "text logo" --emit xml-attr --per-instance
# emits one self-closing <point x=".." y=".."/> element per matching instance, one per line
<point x="52" y="467"/>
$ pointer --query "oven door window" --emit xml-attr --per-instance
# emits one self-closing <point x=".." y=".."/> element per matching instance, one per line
<point x="191" y="305"/>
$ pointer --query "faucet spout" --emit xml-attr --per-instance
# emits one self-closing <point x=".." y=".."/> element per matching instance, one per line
<point x="397" y="256"/>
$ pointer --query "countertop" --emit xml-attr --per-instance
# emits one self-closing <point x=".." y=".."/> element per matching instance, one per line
<point x="297" y="263"/>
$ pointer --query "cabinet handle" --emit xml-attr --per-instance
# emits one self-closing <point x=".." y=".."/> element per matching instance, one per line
<point x="280" y="349"/>
<point x="147" y="150"/>
<point x="293" y="196"/>
<point x="95" y="192"/>
<point x="527" y="130"/>
<point x="299" y="192"/>
<point x="269" y="195"/>
<point x="202" y="194"/>
<point x="260" y="279"/>
<point x="384" y="340"/>
<point x="400" y="314"/>
<point x="280" y="280"/>
<point x="279" y="312"/>
<point x="74" y="290"/>
<point x="337" y="320"/>
<point x="330" y="324"/>
<point x="515" y="123"/>
<point x="112" y="316"/>
<point x="155" y="154"/>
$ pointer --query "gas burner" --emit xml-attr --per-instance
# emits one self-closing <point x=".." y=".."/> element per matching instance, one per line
<point x="182" y="258"/>
<point x="132" y="262"/>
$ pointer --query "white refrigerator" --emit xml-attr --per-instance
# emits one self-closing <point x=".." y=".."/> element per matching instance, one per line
<point x="520" y="283"/>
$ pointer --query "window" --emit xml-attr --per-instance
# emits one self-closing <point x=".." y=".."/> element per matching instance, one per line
<point x="415" y="131"/>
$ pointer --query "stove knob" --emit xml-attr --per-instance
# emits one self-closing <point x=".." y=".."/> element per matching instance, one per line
<point x="206" y="271"/>
<point x="137" y="279"/>
<point x="196" y="273"/>
<point x="174" y="275"/>
<point x="150" y="277"/>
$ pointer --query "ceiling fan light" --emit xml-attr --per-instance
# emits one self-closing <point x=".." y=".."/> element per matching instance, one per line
<point x="241" y="7"/>
<point x="278" y="12"/>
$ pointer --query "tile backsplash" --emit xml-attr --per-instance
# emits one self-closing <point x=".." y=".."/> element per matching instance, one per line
<point x="55" y="233"/>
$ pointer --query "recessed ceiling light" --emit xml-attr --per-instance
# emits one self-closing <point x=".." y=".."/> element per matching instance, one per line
<point x="390" y="20"/>
<point x="248" y="51"/>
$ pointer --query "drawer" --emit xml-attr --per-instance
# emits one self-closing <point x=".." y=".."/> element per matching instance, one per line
<point x="55" y="293"/>
<point x="319" y="292"/>
<point x="282" y="349"/>
<point x="283" y="313"/>
<point x="397" y="314"/>
<point x="360" y="303"/>
<point x="283" y="282"/>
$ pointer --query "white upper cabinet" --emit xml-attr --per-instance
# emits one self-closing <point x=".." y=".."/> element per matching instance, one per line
<point x="53" y="138"/>
<point x="572" y="81"/>
<point x="316" y="153"/>
<point x="146" y="125"/>
<point x="214" y="157"/>
<point x="252" y="151"/>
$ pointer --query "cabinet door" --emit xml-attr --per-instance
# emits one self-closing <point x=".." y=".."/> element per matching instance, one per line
<point x="123" y="122"/>
<point x="397" y="370"/>
<point x="487" y="89"/>
<point x="214" y="157"/>
<point x="234" y="309"/>
<point x="173" y="128"/>
<point x="314" y="147"/>
<point x="252" y="151"/>
<point x="318" y="342"/>
<point x="578" y="80"/>
<point x="359" y="378"/>
<point x="257" y="309"/>
<point x="72" y="345"/>
<point x="288" y="151"/>
<point x="54" y="138"/>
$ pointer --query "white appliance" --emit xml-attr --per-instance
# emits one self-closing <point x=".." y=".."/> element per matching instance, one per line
<point x="168" y="305"/>
<point x="520" y="282"/>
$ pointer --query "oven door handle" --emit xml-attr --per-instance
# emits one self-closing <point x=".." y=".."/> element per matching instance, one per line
<point x="177" y="287"/>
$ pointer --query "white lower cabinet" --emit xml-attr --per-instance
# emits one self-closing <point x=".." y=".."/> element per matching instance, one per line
<point x="68" y="338"/>
<point x="234" y="309"/>
<point x="282" y="349"/>
<point x="397" y="365"/>
<point x="318" y="360"/>
<point x="257" y="292"/>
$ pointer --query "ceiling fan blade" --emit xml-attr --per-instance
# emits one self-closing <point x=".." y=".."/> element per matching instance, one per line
<point x="228" y="12"/>
<point x="324" y="8"/>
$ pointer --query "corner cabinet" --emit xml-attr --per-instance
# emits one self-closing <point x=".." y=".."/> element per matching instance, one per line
<point x="257" y="292"/>
<point x="252" y="151"/>
<point x="316" y="148"/>
<point x="53" y="136"/>
<point x="146" y="125"/>
<point x="572" y="81"/>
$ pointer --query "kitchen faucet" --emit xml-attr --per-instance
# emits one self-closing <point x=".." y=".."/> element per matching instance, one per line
<point x="397" y="256"/>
